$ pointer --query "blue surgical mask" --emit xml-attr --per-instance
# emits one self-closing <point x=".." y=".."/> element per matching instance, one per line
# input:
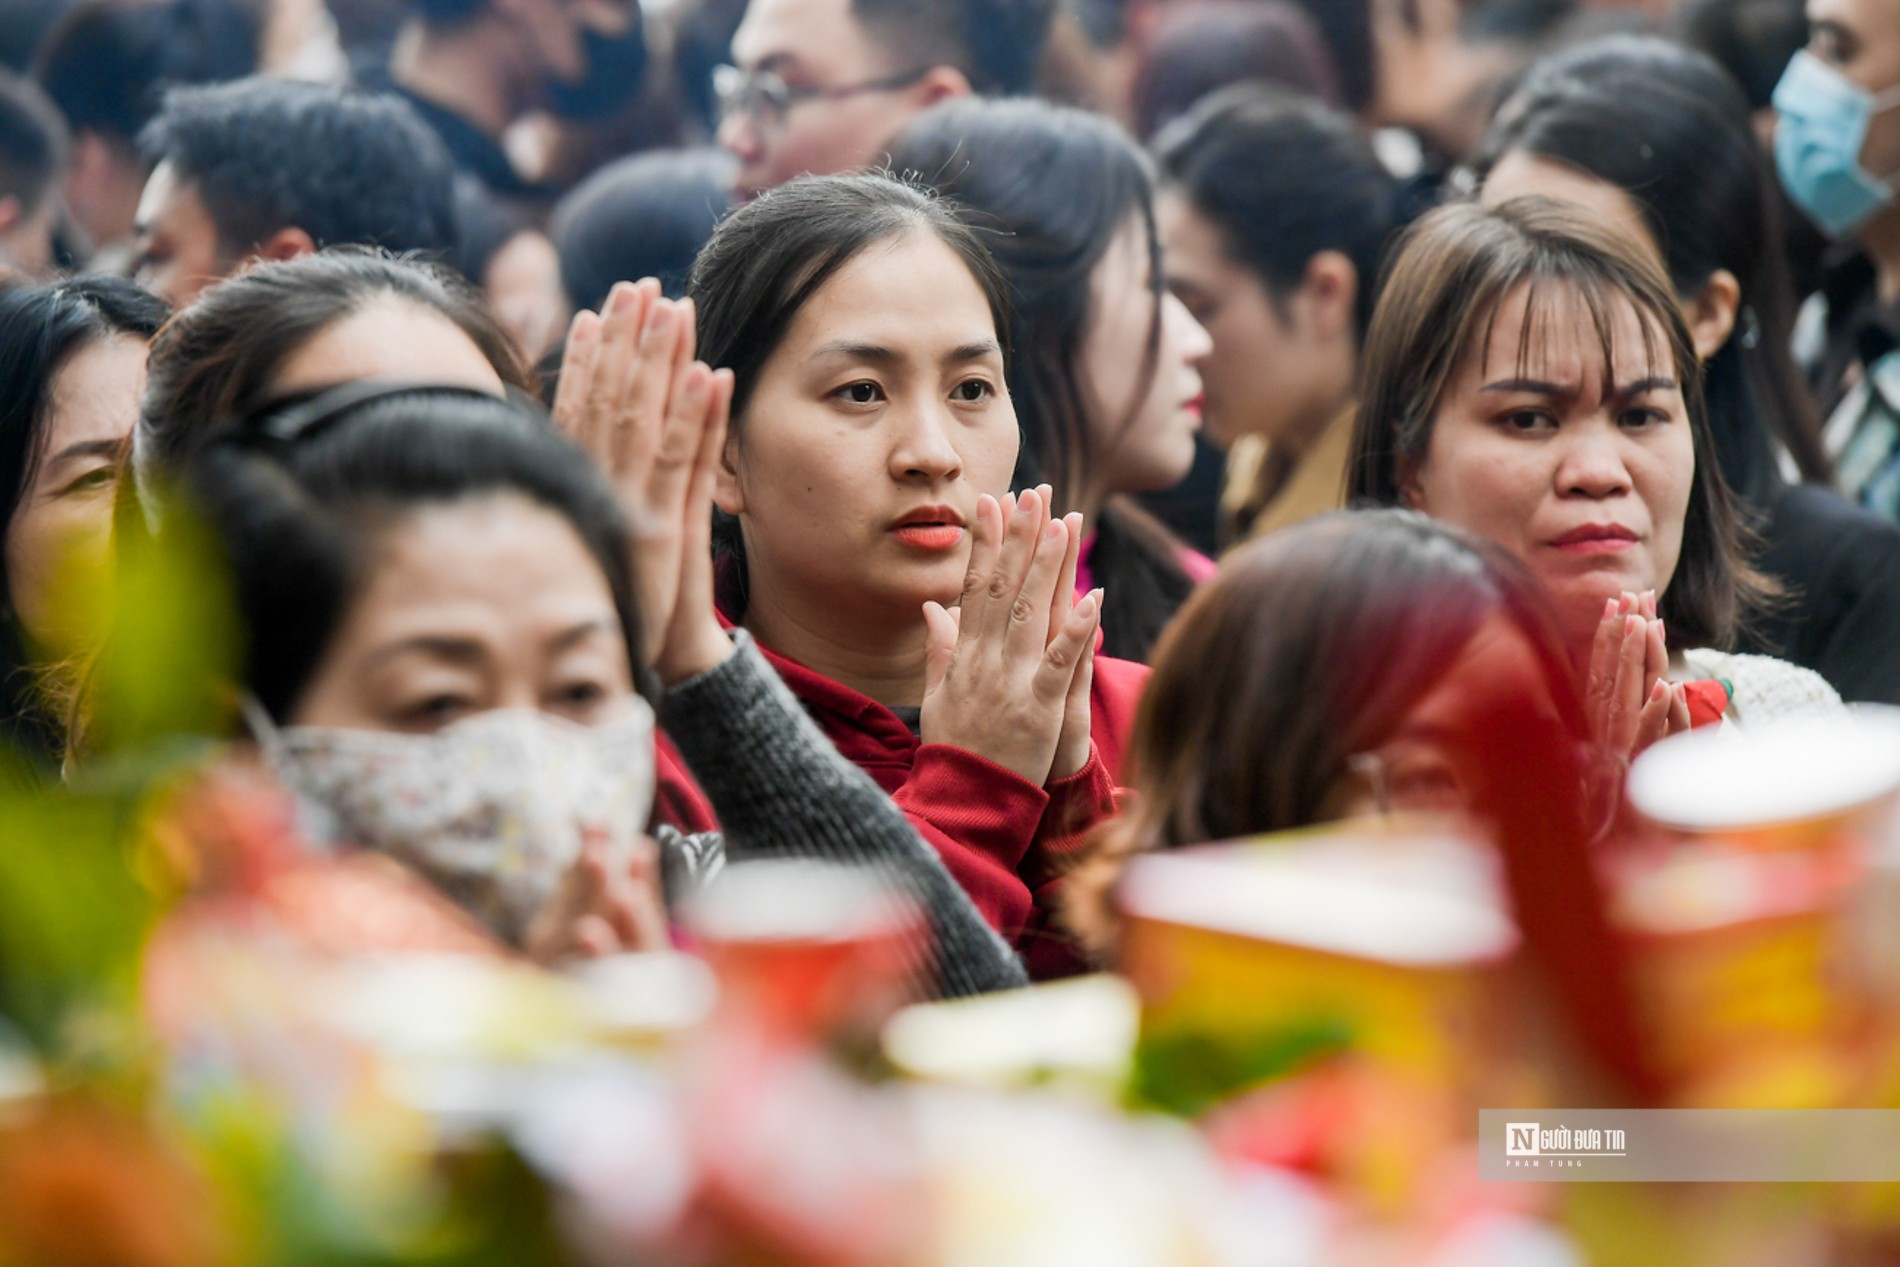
<point x="1823" y="118"/>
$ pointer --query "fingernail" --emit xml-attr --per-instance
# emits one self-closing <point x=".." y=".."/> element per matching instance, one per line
<point x="1052" y="530"/>
<point x="661" y="317"/>
<point x="1609" y="608"/>
<point x="1631" y="624"/>
<point x="1657" y="691"/>
<point x="622" y="298"/>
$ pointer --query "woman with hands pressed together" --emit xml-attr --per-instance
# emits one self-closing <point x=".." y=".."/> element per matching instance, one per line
<point x="926" y="618"/>
<point x="448" y="616"/>
<point x="656" y="421"/>
<point x="1529" y="378"/>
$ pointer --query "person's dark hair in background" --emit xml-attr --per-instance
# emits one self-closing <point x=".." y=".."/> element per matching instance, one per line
<point x="702" y="42"/>
<point x="274" y="168"/>
<point x="1202" y="47"/>
<point x="1346" y="26"/>
<point x="995" y="43"/>
<point x="1754" y="40"/>
<point x="1671" y="130"/>
<point x="1434" y="67"/>
<point x="644" y="216"/>
<point x="41" y="329"/>
<point x="222" y="357"/>
<point x="1049" y="188"/>
<point x="501" y="247"/>
<point x="107" y="65"/>
<point x="1297" y="201"/>
<point x="23" y="28"/>
<point x="33" y="152"/>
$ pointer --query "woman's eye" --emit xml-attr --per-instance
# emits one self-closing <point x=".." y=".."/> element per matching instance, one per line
<point x="580" y="695"/>
<point x="1637" y="418"/>
<point x="972" y="391"/>
<point x="863" y="392"/>
<point x="93" y="481"/>
<point x="1526" y="420"/>
<point x="436" y="710"/>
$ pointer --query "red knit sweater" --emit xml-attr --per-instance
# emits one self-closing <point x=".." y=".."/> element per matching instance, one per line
<point x="1006" y="840"/>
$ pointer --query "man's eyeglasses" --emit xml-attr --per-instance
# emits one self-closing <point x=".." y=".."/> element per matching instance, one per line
<point x="767" y="99"/>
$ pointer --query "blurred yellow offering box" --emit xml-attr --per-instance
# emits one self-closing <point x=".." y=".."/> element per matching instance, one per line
<point x="1742" y="970"/>
<point x="1263" y="960"/>
<point x="1810" y="784"/>
<point x="1754" y="980"/>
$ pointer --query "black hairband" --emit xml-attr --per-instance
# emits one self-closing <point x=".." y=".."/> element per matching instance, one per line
<point x="295" y="418"/>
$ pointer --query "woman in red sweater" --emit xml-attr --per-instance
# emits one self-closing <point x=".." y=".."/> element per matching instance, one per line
<point x="923" y="615"/>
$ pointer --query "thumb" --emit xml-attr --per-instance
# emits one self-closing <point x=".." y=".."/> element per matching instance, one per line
<point x="940" y="645"/>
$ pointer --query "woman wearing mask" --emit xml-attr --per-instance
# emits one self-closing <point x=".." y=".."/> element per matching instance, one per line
<point x="72" y="363"/>
<point x="1274" y="215"/>
<point x="1657" y="139"/>
<point x="1105" y="369"/>
<point x="1529" y="378"/>
<point x="921" y="614"/>
<point x="443" y="659"/>
<point x="343" y="316"/>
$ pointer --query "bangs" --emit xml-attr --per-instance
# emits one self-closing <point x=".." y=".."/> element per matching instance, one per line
<point x="1558" y="310"/>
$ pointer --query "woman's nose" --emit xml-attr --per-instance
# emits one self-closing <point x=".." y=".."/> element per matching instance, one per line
<point x="924" y="448"/>
<point x="1195" y="342"/>
<point x="1590" y="462"/>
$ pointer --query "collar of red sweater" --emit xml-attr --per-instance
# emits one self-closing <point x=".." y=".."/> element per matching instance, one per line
<point x="824" y="695"/>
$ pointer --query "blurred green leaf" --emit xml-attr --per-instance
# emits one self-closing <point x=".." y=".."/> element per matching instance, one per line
<point x="174" y="643"/>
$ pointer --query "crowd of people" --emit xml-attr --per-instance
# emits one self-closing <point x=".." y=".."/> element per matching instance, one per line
<point x="973" y="442"/>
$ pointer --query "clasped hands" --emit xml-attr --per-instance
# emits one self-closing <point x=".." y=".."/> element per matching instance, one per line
<point x="1630" y="701"/>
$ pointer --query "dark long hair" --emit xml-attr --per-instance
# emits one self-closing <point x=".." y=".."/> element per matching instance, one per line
<point x="1669" y="127"/>
<point x="768" y="259"/>
<point x="41" y="328"/>
<point x="1049" y="187"/>
<point x="298" y="519"/>
<point x="1453" y="270"/>
<point x="1284" y="178"/>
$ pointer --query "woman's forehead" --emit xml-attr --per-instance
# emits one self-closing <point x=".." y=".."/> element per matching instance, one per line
<point x="1564" y="332"/>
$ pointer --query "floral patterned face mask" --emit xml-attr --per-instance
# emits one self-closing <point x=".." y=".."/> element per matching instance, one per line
<point x="492" y="809"/>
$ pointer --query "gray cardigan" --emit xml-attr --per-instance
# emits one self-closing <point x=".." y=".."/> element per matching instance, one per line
<point x="781" y="790"/>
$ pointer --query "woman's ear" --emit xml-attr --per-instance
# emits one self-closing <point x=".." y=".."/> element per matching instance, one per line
<point x="1329" y="289"/>
<point x="1711" y="314"/>
<point x="1411" y="490"/>
<point x="727" y="494"/>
